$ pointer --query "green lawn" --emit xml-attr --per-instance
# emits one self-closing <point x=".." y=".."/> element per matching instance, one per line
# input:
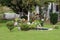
<point x="5" y="34"/>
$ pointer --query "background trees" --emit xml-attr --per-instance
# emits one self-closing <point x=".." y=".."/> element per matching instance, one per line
<point x="20" y="5"/>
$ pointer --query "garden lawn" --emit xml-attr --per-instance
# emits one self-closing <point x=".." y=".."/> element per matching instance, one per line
<point x="5" y="34"/>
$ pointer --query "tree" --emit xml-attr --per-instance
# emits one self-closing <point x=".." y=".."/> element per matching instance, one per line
<point x="58" y="3"/>
<point x="19" y="5"/>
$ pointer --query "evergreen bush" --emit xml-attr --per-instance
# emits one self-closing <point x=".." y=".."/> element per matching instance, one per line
<point x="53" y="18"/>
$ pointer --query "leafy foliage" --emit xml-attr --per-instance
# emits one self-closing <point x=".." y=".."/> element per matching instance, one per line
<point x="22" y="5"/>
<point x="53" y="18"/>
<point x="24" y="26"/>
<point x="10" y="25"/>
<point x="56" y="27"/>
<point x="34" y="24"/>
<point x="1" y="16"/>
<point x="25" y="17"/>
<point x="19" y="5"/>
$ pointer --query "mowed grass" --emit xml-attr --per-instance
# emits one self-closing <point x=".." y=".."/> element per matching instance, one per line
<point x="5" y="34"/>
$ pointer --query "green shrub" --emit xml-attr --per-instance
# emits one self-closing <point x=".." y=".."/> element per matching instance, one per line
<point x="37" y="22"/>
<point x="1" y="16"/>
<point x="53" y="18"/>
<point x="30" y="21"/>
<point x="56" y="27"/>
<point x="24" y="26"/>
<point x="34" y="24"/>
<point x="4" y="20"/>
<point x="10" y="25"/>
<point x="25" y="17"/>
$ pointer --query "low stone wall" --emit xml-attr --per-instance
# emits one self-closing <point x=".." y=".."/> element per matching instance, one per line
<point x="10" y="15"/>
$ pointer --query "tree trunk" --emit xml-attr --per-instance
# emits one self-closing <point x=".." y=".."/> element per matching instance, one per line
<point x="28" y="16"/>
